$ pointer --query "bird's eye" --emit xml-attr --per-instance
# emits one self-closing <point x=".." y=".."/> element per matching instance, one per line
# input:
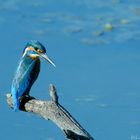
<point x="36" y="48"/>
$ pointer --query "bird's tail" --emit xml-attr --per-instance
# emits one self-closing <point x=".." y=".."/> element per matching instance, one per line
<point x="15" y="100"/>
<point x="16" y="105"/>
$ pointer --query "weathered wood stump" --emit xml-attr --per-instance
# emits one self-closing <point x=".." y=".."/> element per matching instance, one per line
<point x="52" y="110"/>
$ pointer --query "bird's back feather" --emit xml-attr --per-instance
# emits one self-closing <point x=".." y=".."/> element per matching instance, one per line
<point x="26" y="74"/>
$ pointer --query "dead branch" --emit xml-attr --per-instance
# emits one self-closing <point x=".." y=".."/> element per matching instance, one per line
<point x="52" y="110"/>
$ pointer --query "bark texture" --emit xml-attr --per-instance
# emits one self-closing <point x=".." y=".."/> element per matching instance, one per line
<point x="52" y="110"/>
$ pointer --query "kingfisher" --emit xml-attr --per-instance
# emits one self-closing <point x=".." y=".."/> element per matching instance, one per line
<point x="27" y="71"/>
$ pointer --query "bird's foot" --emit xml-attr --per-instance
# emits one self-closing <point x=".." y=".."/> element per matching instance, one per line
<point x="25" y="97"/>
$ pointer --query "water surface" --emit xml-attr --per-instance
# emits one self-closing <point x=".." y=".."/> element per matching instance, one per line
<point x="97" y="74"/>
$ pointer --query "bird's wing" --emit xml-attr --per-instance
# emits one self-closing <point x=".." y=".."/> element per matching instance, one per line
<point x="22" y="77"/>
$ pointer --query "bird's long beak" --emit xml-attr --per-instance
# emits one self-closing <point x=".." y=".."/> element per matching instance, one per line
<point x="47" y="58"/>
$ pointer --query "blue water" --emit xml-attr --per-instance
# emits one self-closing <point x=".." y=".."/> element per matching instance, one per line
<point x="98" y="71"/>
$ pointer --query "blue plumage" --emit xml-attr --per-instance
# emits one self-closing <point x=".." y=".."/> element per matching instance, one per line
<point x="27" y="71"/>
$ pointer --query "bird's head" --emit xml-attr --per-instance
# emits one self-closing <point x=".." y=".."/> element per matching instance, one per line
<point x="35" y="49"/>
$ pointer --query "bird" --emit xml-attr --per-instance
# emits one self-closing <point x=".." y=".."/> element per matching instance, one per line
<point x="27" y="71"/>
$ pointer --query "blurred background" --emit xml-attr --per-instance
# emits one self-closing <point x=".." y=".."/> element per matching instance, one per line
<point x="95" y="45"/>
